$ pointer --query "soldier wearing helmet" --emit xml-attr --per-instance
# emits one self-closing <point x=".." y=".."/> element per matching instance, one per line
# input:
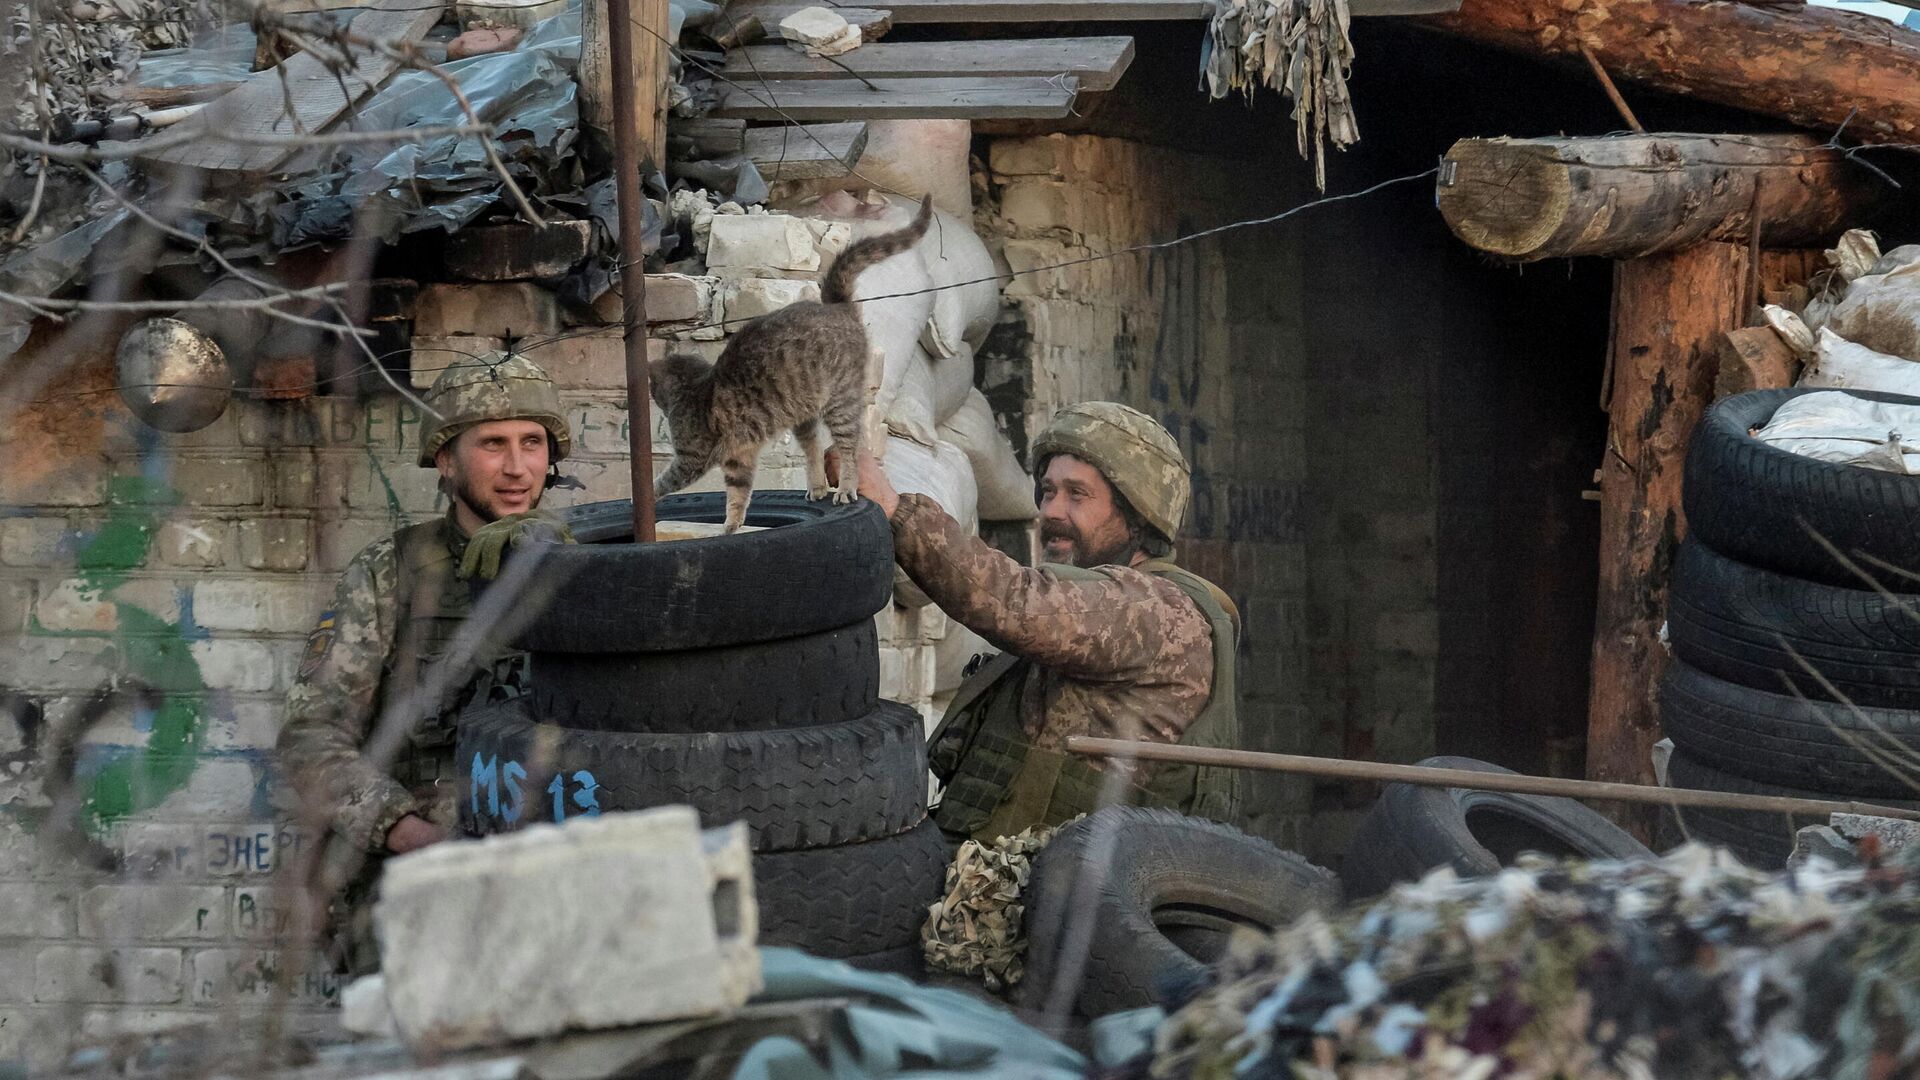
<point x="497" y="429"/>
<point x="1111" y="638"/>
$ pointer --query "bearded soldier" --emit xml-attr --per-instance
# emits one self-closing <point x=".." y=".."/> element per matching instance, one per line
<point x="397" y="609"/>
<point x="1110" y="639"/>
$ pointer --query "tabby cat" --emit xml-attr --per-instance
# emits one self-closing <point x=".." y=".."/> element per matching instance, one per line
<point x="795" y="368"/>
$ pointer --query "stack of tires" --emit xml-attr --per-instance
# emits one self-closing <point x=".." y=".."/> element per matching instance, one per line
<point x="1794" y="618"/>
<point x="739" y="675"/>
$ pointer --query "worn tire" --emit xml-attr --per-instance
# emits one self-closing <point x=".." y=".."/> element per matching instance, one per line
<point x="1760" y="838"/>
<point x="1412" y="830"/>
<point x="855" y="900"/>
<point x="796" y="788"/>
<point x="818" y="566"/>
<point x="1780" y="739"/>
<point x="1161" y="867"/>
<point x="1746" y="625"/>
<point x="1756" y="503"/>
<point x="821" y="678"/>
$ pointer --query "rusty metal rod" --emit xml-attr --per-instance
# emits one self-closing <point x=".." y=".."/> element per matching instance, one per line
<point x="633" y="274"/>
<point x="1423" y="776"/>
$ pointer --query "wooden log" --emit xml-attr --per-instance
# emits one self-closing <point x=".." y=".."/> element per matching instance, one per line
<point x="1097" y="62"/>
<point x="649" y="74"/>
<point x="1812" y="66"/>
<point x="1622" y="197"/>
<point x="1669" y="313"/>
<point x="1753" y="358"/>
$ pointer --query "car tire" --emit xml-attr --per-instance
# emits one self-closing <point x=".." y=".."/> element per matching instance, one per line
<point x="853" y="900"/>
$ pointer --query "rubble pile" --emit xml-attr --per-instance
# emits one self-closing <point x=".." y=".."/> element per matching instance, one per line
<point x="1694" y="965"/>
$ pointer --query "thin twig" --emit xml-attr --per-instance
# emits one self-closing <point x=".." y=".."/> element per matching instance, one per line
<point x="123" y="151"/>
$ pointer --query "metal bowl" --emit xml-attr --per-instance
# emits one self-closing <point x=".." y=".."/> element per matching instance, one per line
<point x="173" y="376"/>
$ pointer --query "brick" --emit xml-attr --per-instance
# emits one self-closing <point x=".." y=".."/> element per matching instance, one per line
<point x="432" y="355"/>
<point x="250" y="976"/>
<point x="591" y="360"/>
<point x="743" y="244"/>
<point x="1037" y="206"/>
<point x="38" y="541"/>
<point x="135" y="976"/>
<point x="292" y="474"/>
<point x="255" y="604"/>
<point x="679" y="297"/>
<point x="518" y="251"/>
<point x="220" y="481"/>
<point x="16" y="603"/>
<point x="274" y="543"/>
<point x="69" y="606"/>
<point x="234" y="665"/>
<point x="1417" y="632"/>
<point x="250" y="850"/>
<point x="72" y="485"/>
<point x="336" y="543"/>
<point x="1046" y="155"/>
<point x="155" y="850"/>
<point x="750" y="298"/>
<point x="598" y="428"/>
<point x="148" y="912"/>
<point x="40" y="1039"/>
<point x="36" y="910"/>
<point x="381" y="486"/>
<point x="191" y="544"/>
<point x="263" y="913"/>
<point x="521" y="899"/>
<point x="15" y="957"/>
<point x="251" y="725"/>
<point x="516" y="309"/>
<point x="220" y="787"/>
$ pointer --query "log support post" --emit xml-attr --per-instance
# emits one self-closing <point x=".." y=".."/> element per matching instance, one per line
<point x="647" y="74"/>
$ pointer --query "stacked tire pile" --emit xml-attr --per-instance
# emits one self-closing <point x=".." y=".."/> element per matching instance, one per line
<point x="1794" y="618"/>
<point x="739" y="675"/>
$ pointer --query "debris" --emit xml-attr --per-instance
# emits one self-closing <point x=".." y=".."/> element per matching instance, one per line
<point x="750" y="298"/>
<point x="1694" y="965"/>
<point x="817" y="31"/>
<point x="481" y="42"/>
<point x="495" y="14"/>
<point x="517" y="251"/>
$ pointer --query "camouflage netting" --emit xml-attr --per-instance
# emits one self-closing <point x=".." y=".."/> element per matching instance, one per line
<point x="1298" y="47"/>
<point x="976" y="928"/>
<point x="1693" y="965"/>
<point x="87" y="50"/>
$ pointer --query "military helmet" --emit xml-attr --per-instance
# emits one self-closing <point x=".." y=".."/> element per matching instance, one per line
<point x="1136" y="455"/>
<point x="492" y="386"/>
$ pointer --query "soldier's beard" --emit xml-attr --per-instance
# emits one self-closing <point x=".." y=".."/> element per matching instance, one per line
<point x="468" y="493"/>
<point x="1118" y="552"/>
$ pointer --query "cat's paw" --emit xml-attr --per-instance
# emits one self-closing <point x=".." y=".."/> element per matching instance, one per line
<point x="842" y="497"/>
<point x="818" y="492"/>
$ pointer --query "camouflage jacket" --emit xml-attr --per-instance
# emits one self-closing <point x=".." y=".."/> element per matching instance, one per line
<point x="369" y="645"/>
<point x="1127" y="657"/>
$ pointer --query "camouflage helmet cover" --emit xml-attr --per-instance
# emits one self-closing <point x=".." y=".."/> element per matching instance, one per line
<point x="1136" y="455"/>
<point x="493" y="386"/>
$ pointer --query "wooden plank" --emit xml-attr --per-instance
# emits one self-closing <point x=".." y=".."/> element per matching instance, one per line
<point x="648" y="19"/>
<point x="806" y="151"/>
<point x="259" y="106"/>
<point x="1023" y="98"/>
<point x="1043" y="11"/>
<point x="1097" y="62"/>
<point x="873" y="22"/>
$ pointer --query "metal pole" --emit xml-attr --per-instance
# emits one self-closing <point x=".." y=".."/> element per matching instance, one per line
<point x="1422" y="776"/>
<point x="633" y="278"/>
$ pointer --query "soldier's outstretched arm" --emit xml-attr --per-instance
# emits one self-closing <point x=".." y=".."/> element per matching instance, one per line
<point x="330" y="708"/>
<point x="1106" y="628"/>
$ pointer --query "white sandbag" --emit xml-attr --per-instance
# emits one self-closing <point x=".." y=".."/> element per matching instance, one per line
<point x="1855" y="254"/>
<point x="968" y="303"/>
<point x="1792" y="329"/>
<point x="912" y="157"/>
<point x="1847" y="430"/>
<point x="1904" y="255"/>
<point x="952" y="654"/>
<point x="893" y="326"/>
<point x="952" y="381"/>
<point x="1005" y="489"/>
<point x="941" y="473"/>
<point x="1882" y="312"/>
<point x="1843" y="364"/>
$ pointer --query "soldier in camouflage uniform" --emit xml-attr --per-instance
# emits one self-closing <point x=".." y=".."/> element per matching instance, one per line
<point x="499" y="428"/>
<point x="1111" y="639"/>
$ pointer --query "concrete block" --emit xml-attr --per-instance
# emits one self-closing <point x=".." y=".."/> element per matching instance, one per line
<point x="671" y="298"/>
<point x="1037" y="206"/>
<point x="38" y="541"/>
<point x="220" y="481"/>
<point x="293" y="474"/>
<point x="249" y="849"/>
<point x="191" y="545"/>
<point x="518" y="251"/>
<point x="383" y="486"/>
<point x="256" y="604"/>
<point x="274" y="543"/>
<point x="148" y="912"/>
<point x="1046" y="155"/>
<point x="744" y="244"/>
<point x="250" y="977"/>
<point x="590" y="360"/>
<point x="252" y="725"/>
<point x="16" y="603"/>
<point x="432" y="355"/>
<point x="152" y="850"/>
<point x="750" y="298"/>
<point x="220" y="787"/>
<point x="74" y="606"/>
<point x="598" y="428"/>
<point x="36" y="910"/>
<point x="234" y="665"/>
<point x="264" y="913"/>
<point x="670" y="913"/>
<point x="1893" y="833"/>
<point x="102" y="976"/>
<point x="514" y="309"/>
<point x="335" y="544"/>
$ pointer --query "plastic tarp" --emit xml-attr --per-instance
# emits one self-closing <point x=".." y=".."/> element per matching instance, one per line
<point x="896" y="1028"/>
<point x="1848" y="430"/>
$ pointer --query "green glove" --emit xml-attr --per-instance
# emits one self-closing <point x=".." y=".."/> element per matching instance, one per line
<point x="490" y="542"/>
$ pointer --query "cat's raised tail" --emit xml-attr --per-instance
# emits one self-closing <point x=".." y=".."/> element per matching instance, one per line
<point x="837" y="286"/>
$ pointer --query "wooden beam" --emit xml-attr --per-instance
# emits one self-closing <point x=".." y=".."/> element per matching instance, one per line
<point x="806" y="151"/>
<point x="1669" y="312"/>
<point x="260" y="105"/>
<point x="1045" y="11"/>
<point x="1097" y="62"/>
<point x="649" y="74"/>
<point x="1812" y="66"/>
<point x="873" y="22"/>
<point x="1627" y="196"/>
<point x="900" y="99"/>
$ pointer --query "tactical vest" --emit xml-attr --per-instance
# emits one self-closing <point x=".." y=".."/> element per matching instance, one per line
<point x="999" y="783"/>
